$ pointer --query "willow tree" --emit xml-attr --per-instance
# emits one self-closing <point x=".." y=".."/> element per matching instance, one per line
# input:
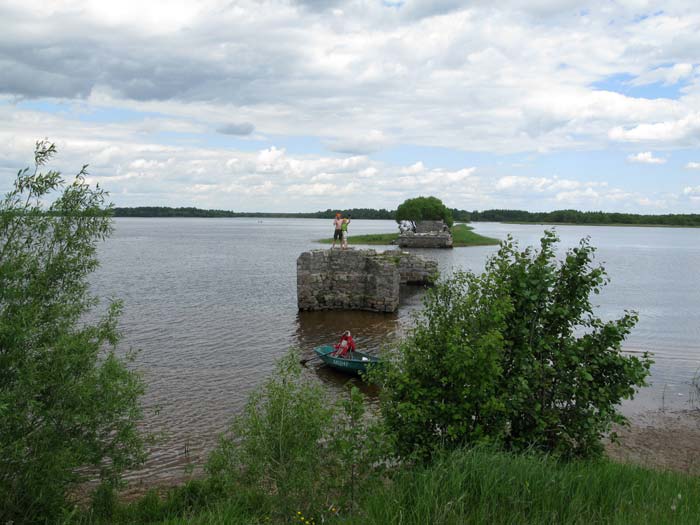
<point x="67" y="400"/>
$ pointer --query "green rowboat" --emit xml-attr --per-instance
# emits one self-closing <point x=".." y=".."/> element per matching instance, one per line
<point x="354" y="363"/>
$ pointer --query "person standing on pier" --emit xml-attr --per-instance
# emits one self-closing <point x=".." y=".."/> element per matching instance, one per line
<point x="338" y="233"/>
<point x="344" y="232"/>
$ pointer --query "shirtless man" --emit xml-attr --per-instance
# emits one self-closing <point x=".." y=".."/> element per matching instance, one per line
<point x="338" y="234"/>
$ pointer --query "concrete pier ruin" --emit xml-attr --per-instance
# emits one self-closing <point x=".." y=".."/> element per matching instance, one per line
<point x="428" y="234"/>
<point x="358" y="279"/>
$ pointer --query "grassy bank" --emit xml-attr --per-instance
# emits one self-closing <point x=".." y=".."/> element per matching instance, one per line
<point x="462" y="235"/>
<point x="476" y="486"/>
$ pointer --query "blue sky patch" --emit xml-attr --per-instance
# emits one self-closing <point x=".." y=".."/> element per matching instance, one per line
<point x="622" y="83"/>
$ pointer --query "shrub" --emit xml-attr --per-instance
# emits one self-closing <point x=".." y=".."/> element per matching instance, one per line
<point x="360" y="447"/>
<point x="66" y="399"/>
<point x="513" y="357"/>
<point x="275" y="448"/>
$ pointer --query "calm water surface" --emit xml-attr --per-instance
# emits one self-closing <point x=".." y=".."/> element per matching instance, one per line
<point x="211" y="304"/>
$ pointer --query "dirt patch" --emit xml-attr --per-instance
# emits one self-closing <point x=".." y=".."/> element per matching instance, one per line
<point x="660" y="440"/>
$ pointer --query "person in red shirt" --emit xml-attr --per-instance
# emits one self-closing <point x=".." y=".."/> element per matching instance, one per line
<point x="345" y="345"/>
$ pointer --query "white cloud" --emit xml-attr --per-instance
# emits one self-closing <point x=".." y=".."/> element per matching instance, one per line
<point x="693" y="166"/>
<point x="516" y="183"/>
<point x="666" y="75"/>
<point x="692" y="192"/>
<point x="577" y="195"/>
<point x="137" y="90"/>
<point x="646" y="157"/>
<point x="444" y="74"/>
<point x="683" y="131"/>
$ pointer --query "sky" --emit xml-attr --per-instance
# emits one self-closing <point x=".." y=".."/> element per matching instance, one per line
<point x="305" y="105"/>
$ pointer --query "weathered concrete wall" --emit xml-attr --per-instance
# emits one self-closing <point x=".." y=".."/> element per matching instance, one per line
<point x="414" y="269"/>
<point x="425" y="240"/>
<point x="347" y="279"/>
<point x="428" y="234"/>
<point x="358" y="279"/>
<point x="430" y="226"/>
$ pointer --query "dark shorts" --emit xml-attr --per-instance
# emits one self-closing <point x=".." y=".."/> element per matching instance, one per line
<point x="337" y="235"/>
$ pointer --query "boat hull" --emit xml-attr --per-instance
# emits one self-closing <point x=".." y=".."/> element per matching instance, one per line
<point x="354" y="364"/>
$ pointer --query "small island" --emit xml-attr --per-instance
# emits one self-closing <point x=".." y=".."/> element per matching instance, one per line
<point x="424" y="222"/>
<point x="462" y="235"/>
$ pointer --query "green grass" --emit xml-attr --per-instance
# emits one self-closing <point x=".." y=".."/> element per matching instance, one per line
<point x="464" y="487"/>
<point x="462" y="235"/>
<point x="495" y="488"/>
<point x="382" y="239"/>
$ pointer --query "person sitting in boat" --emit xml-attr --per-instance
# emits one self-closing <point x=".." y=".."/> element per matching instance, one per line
<point x="345" y="345"/>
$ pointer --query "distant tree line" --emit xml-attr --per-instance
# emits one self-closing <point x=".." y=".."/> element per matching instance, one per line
<point x="164" y="211"/>
<point x="583" y="217"/>
<point x="552" y="217"/>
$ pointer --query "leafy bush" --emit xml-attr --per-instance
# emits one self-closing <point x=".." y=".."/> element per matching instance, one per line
<point x="65" y="400"/>
<point x="514" y="357"/>
<point x="359" y="447"/>
<point x="295" y="450"/>
<point x="423" y="209"/>
<point x="275" y="447"/>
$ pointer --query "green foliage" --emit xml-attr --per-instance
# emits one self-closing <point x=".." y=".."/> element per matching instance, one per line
<point x="462" y="235"/>
<point x="359" y="445"/>
<point x="66" y="400"/>
<point x="514" y="357"/>
<point x="275" y="447"/>
<point x="423" y="209"/>
<point x="480" y="486"/>
<point x="293" y="450"/>
<point x="184" y="501"/>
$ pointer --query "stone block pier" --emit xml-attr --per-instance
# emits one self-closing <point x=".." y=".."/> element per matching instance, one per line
<point x="358" y="279"/>
<point x="428" y="234"/>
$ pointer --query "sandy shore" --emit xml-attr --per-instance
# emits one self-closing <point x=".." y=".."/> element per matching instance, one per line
<point x="661" y="440"/>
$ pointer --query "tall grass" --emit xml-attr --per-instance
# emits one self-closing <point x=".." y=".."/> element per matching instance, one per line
<point x="479" y="486"/>
<point x="474" y="487"/>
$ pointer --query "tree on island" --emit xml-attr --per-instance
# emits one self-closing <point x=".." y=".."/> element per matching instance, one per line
<point x="67" y="401"/>
<point x="423" y="209"/>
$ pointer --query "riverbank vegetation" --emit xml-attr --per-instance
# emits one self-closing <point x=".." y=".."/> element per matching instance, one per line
<point x="462" y="235"/>
<point x="69" y="404"/>
<point x="466" y="486"/>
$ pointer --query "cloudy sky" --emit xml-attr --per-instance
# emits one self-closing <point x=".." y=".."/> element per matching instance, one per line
<point x="307" y="105"/>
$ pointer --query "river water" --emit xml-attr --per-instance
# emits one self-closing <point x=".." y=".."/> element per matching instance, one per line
<point x="211" y="304"/>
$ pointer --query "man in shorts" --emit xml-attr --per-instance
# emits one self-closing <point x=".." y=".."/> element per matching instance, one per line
<point x="338" y="234"/>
